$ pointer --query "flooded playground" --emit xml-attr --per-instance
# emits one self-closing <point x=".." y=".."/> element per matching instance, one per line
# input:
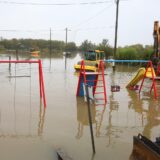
<point x="64" y="124"/>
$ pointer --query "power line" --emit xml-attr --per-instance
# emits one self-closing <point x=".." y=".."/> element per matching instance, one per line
<point x="96" y="28"/>
<point x="30" y="31"/>
<point x="55" y="4"/>
<point x="8" y="30"/>
<point x="94" y="16"/>
<point x="55" y="30"/>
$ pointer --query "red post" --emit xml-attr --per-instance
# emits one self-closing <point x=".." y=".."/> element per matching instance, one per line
<point x="40" y="81"/>
<point x="42" y="84"/>
<point x="153" y="80"/>
<point x="148" y="64"/>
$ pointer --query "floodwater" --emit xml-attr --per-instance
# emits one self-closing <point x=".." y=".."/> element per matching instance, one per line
<point x="64" y="123"/>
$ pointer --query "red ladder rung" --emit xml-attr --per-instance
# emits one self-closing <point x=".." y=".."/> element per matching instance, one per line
<point x="93" y="80"/>
<point x="99" y="98"/>
<point x="98" y="86"/>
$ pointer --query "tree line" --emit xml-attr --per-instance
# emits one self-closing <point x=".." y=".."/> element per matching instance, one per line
<point x="136" y="51"/>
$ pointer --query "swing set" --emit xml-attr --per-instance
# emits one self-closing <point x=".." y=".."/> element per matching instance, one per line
<point x="41" y="80"/>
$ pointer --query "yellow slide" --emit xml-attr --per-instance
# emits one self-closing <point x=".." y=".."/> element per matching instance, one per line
<point x="139" y="76"/>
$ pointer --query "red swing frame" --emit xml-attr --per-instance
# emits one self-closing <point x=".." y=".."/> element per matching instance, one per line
<point x="41" y="79"/>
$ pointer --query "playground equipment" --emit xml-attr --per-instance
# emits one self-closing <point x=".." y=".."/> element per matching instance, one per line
<point x="94" y="79"/>
<point x="91" y="78"/>
<point x="153" y="77"/>
<point x="139" y="76"/>
<point x="34" y="53"/>
<point x="136" y="78"/>
<point x="41" y="80"/>
<point x="92" y="59"/>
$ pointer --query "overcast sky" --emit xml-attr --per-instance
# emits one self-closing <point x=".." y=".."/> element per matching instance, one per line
<point x="85" y="21"/>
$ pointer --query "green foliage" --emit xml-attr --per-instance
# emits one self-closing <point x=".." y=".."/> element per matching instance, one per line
<point x="87" y="45"/>
<point x="104" y="46"/>
<point x="134" y="52"/>
<point x="148" y="52"/>
<point x="37" y="44"/>
<point x="127" y="53"/>
<point x="71" y="46"/>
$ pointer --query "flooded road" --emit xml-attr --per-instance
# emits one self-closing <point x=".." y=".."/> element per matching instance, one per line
<point x="64" y="123"/>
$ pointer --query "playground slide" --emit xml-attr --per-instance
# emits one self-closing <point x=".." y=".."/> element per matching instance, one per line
<point x="137" y="77"/>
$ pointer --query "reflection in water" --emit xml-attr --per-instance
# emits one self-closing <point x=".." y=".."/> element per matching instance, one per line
<point x="113" y="107"/>
<point x="136" y="104"/>
<point x="65" y="59"/>
<point x="15" y="101"/>
<point x="99" y="117"/>
<point x="97" y="113"/>
<point x="30" y="100"/>
<point x="16" y="110"/>
<point x="152" y="116"/>
<point x="151" y="113"/>
<point x="82" y="115"/>
<point x="42" y="112"/>
<point x="50" y="63"/>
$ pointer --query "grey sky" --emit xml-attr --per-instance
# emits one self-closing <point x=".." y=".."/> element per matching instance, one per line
<point x="93" y="21"/>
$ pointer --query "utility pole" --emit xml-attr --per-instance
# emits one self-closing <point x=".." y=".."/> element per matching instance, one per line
<point x="66" y="29"/>
<point x="116" y="28"/>
<point x="50" y="43"/>
<point x="66" y="46"/>
<point x="66" y="35"/>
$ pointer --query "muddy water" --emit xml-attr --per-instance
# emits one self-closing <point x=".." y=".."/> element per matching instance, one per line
<point x="64" y="123"/>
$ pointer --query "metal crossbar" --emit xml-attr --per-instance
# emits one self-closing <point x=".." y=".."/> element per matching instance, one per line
<point x="41" y="80"/>
<point x="126" y="61"/>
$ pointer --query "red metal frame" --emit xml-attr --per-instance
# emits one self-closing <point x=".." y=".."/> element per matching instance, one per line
<point x="100" y="72"/>
<point x="153" y="86"/>
<point x="41" y="80"/>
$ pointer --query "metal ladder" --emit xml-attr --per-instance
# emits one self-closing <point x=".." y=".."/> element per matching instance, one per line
<point x="99" y="77"/>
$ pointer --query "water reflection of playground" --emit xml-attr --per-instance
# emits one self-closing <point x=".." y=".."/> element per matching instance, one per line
<point x="82" y="116"/>
<point x="149" y="110"/>
<point x="148" y="117"/>
<point x="42" y="112"/>
<point x="29" y="134"/>
<point x="97" y="112"/>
